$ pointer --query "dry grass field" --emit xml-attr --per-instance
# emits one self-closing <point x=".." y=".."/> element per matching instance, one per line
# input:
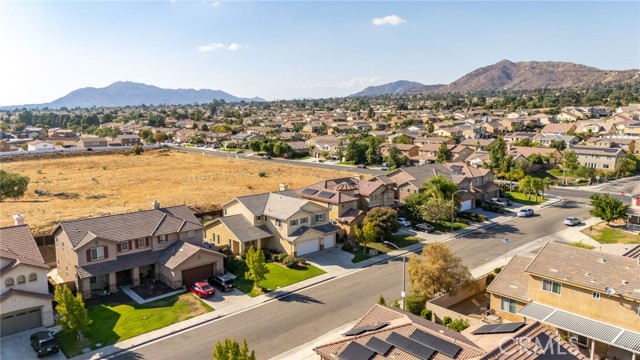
<point x="118" y="183"/>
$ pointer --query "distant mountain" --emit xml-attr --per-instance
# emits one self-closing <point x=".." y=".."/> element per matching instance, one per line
<point x="123" y="93"/>
<point x="393" y="88"/>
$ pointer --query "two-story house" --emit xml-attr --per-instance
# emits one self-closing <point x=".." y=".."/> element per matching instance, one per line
<point x="407" y="150"/>
<point x="633" y="222"/>
<point x="599" y="158"/>
<point x="594" y="298"/>
<point x="128" y="140"/>
<point x="25" y="302"/>
<point x="481" y="182"/>
<point x="104" y="253"/>
<point x="282" y="221"/>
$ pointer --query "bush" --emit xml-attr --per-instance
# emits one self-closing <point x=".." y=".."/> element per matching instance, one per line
<point x="497" y="270"/>
<point x="267" y="253"/>
<point x="458" y="324"/>
<point x="446" y="321"/>
<point x="415" y="304"/>
<point x="426" y="314"/>
<point x="395" y="304"/>
<point x="302" y="261"/>
<point x="275" y="257"/>
<point x="582" y="245"/>
<point x="347" y="247"/>
<point x="281" y="257"/>
<point x="262" y="173"/>
<point x="490" y="278"/>
<point x="289" y="261"/>
<point x="381" y="300"/>
<point x="235" y="265"/>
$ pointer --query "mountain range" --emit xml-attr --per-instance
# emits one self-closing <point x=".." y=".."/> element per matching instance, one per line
<point x="123" y="93"/>
<point x="507" y="75"/>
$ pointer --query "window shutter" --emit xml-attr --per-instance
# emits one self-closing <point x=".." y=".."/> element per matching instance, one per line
<point x="131" y="244"/>
<point x="106" y="252"/>
<point x="146" y="241"/>
<point x="119" y="248"/>
<point x="88" y="255"/>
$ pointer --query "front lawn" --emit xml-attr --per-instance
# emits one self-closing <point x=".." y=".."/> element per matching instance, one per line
<point x="399" y="240"/>
<point x="117" y="322"/>
<point x="279" y="276"/>
<point x="524" y="198"/>
<point x="605" y="234"/>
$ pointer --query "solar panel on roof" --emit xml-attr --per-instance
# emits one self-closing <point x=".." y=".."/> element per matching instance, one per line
<point x="326" y="195"/>
<point x="377" y="345"/>
<point x="361" y="329"/>
<point x="436" y="343"/>
<point x="355" y="331"/>
<point x="355" y="351"/>
<point x="498" y="328"/>
<point x="410" y="346"/>
<point x="376" y="326"/>
<point x="309" y="191"/>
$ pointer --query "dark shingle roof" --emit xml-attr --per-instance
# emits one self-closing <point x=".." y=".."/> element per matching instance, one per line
<point x="242" y="228"/>
<point x="17" y="243"/>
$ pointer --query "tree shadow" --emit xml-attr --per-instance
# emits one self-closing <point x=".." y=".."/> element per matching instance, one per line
<point x="300" y="298"/>
<point x="130" y="355"/>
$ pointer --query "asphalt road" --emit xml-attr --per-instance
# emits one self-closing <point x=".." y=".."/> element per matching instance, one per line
<point x="285" y="323"/>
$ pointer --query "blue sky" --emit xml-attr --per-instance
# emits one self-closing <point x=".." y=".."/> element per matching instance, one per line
<point x="284" y="50"/>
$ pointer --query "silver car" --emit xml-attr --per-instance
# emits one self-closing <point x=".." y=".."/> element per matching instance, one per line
<point x="571" y="221"/>
<point x="526" y="212"/>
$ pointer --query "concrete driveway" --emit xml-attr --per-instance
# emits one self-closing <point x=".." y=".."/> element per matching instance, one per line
<point x="17" y="347"/>
<point x="223" y="299"/>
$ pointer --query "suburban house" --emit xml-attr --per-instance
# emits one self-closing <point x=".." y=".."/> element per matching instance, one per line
<point x="628" y="145"/>
<point x="634" y="209"/>
<point x="25" y="302"/>
<point x="128" y="140"/>
<point x="599" y="158"/>
<point x="61" y="133"/>
<point x="299" y="148"/>
<point x="39" y="145"/>
<point x="569" y="116"/>
<point x="477" y="143"/>
<point x="428" y="153"/>
<point x="433" y="140"/>
<point x="281" y="221"/>
<point x="481" y="182"/>
<point x="328" y="145"/>
<point x="558" y="129"/>
<point x="104" y="253"/>
<point x="554" y="155"/>
<point x="89" y="142"/>
<point x="594" y="298"/>
<point x="549" y="139"/>
<point x="407" y="150"/>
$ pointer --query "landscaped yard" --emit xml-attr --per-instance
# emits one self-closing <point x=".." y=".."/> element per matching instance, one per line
<point x="278" y="276"/>
<point x="524" y="198"/>
<point x="399" y="240"/>
<point x="116" y="322"/>
<point x="605" y="234"/>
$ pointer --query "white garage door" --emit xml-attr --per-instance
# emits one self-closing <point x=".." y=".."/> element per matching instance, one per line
<point x="307" y="247"/>
<point x="329" y="241"/>
<point x="465" y="205"/>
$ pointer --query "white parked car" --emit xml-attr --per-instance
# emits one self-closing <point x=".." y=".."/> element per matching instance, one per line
<point x="404" y="222"/>
<point x="571" y="221"/>
<point x="526" y="212"/>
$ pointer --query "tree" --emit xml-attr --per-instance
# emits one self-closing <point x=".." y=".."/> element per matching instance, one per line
<point x="282" y="149"/>
<point x="625" y="167"/>
<point x="570" y="160"/>
<point x="137" y="149"/>
<point x="439" y="187"/>
<point x="402" y="139"/>
<point x="160" y="137"/>
<point x="395" y="158"/>
<point x="430" y="127"/>
<point x="585" y="172"/>
<point x="266" y="147"/>
<point x="437" y="209"/>
<point x="384" y="219"/>
<point x="254" y="145"/>
<point x="231" y="350"/>
<point x="12" y="185"/>
<point x="413" y="204"/>
<point x="527" y="185"/>
<point x="444" y="154"/>
<point x="257" y="266"/>
<point x="73" y="316"/>
<point x="381" y="300"/>
<point x="559" y="145"/>
<point x="147" y="136"/>
<point x="498" y="152"/>
<point x="438" y="271"/>
<point x="607" y="207"/>
<point x="368" y="233"/>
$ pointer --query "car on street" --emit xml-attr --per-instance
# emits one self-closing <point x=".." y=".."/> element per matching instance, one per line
<point x="240" y="152"/>
<point x="571" y="221"/>
<point x="202" y="289"/>
<point x="502" y="201"/>
<point x="424" y="227"/>
<point x="265" y="157"/>
<point x="43" y="342"/>
<point x="384" y="168"/>
<point x="223" y="283"/>
<point x="526" y="212"/>
<point x="361" y="166"/>
<point x="404" y="222"/>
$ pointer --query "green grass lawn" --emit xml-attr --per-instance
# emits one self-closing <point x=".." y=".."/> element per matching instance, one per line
<point x="399" y="240"/>
<point x="116" y="322"/>
<point x="607" y="235"/>
<point x="524" y="198"/>
<point x="278" y="276"/>
<point x="445" y="226"/>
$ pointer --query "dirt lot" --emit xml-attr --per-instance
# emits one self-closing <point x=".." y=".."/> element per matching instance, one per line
<point x="117" y="183"/>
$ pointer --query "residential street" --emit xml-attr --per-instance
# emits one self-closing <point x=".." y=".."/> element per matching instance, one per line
<point x="285" y="323"/>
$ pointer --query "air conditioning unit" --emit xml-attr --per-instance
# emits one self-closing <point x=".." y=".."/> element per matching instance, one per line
<point x="208" y="245"/>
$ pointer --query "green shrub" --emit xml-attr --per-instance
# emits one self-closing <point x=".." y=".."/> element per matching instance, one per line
<point x="458" y="324"/>
<point x="290" y="261"/>
<point x="281" y="257"/>
<point x="347" y="247"/>
<point x="262" y="173"/>
<point x="381" y="300"/>
<point x="582" y="245"/>
<point x="426" y="314"/>
<point x="275" y="257"/>
<point x="415" y="304"/>
<point x="497" y="270"/>
<point x="490" y="278"/>
<point x="235" y="265"/>
<point x="446" y="321"/>
<point x="395" y="304"/>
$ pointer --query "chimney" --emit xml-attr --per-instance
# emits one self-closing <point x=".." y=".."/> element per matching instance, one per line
<point x="284" y="187"/>
<point x="18" y="219"/>
<point x="155" y="204"/>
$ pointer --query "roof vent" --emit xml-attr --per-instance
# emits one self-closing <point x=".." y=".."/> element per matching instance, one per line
<point x="624" y="282"/>
<point x="553" y="270"/>
<point x="587" y="274"/>
<point x="284" y="187"/>
<point x="155" y="204"/>
<point x="601" y="260"/>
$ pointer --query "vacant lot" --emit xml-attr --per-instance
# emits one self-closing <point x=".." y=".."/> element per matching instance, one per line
<point x="117" y="183"/>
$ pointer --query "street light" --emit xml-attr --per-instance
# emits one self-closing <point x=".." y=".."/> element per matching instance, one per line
<point x="453" y="209"/>
<point x="403" y="293"/>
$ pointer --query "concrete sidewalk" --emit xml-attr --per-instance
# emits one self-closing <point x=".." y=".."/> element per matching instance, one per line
<point x="335" y="262"/>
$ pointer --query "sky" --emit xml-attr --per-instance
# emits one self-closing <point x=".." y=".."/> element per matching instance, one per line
<point x="295" y="49"/>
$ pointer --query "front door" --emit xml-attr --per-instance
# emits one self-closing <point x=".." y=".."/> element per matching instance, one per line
<point x="123" y="277"/>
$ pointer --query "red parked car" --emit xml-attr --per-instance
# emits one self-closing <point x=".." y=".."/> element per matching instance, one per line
<point x="202" y="289"/>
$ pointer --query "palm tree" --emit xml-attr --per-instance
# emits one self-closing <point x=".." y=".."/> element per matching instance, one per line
<point x="526" y="185"/>
<point x="439" y="187"/>
<point x="546" y="184"/>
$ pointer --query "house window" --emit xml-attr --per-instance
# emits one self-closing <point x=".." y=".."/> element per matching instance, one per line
<point x="258" y="218"/>
<point x="163" y="239"/>
<point x="596" y="295"/>
<point x="192" y="234"/>
<point x="606" y="166"/>
<point x="124" y="246"/>
<point x="304" y="220"/>
<point x="319" y="218"/>
<point x="225" y="212"/>
<point x="33" y="277"/>
<point x="58" y="262"/>
<point x="21" y="279"/>
<point x="98" y="279"/>
<point x="8" y="282"/>
<point x="552" y="286"/>
<point x="509" y="305"/>
<point x="66" y="269"/>
<point x="62" y="247"/>
<point x="278" y="223"/>
<point x="96" y="254"/>
<point x="142" y="242"/>
<point x="294" y="222"/>
<point x="57" y="242"/>
<point x="218" y="237"/>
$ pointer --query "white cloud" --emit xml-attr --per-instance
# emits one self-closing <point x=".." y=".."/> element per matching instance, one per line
<point x="389" y="20"/>
<point x="215" y="3"/>
<point x="210" y="47"/>
<point x="235" y="47"/>
<point x="358" y="82"/>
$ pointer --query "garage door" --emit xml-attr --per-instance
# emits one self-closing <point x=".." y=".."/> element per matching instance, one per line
<point x="329" y="241"/>
<point x="466" y="205"/>
<point x="307" y="247"/>
<point x="20" y="321"/>
<point x="200" y="273"/>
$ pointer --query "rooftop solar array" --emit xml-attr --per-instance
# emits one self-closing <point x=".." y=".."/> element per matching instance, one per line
<point x="361" y="329"/>
<point x="308" y="191"/>
<point x="410" y="346"/>
<point x="379" y="346"/>
<point x="498" y="328"/>
<point x="436" y="343"/>
<point x="326" y="195"/>
<point x="355" y="351"/>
